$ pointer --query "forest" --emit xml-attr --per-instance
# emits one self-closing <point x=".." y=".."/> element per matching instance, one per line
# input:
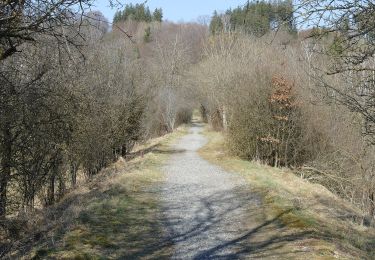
<point x="289" y="86"/>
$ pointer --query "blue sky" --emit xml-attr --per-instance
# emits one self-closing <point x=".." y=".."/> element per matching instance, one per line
<point x="175" y="10"/>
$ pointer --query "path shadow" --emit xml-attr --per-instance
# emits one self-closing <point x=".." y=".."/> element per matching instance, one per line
<point x="261" y="237"/>
<point x="152" y="149"/>
<point x="169" y="151"/>
<point x="141" y="152"/>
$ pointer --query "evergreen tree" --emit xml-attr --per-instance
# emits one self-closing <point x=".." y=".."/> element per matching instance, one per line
<point x="158" y="15"/>
<point x="128" y="13"/>
<point x="147" y="35"/>
<point x="283" y="15"/>
<point x="139" y="13"/>
<point x="257" y="18"/>
<point x="216" y="25"/>
<point x="117" y="17"/>
<point x="148" y="16"/>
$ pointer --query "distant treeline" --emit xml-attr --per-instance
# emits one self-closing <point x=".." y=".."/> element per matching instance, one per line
<point x="256" y="18"/>
<point x="139" y="13"/>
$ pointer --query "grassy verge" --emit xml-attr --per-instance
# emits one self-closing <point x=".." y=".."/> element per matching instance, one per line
<point x="330" y="224"/>
<point x="116" y="216"/>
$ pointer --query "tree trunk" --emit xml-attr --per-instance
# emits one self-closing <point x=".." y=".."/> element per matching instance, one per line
<point x="203" y="114"/>
<point x="276" y="159"/>
<point x="3" y="196"/>
<point x="6" y="170"/>
<point x="51" y="190"/>
<point x="123" y="151"/>
<point x="225" y="119"/>
<point x="62" y="187"/>
<point x="73" y="174"/>
<point x="372" y="206"/>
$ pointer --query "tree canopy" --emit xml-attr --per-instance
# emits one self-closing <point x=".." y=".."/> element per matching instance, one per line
<point x="256" y="18"/>
<point x="139" y="13"/>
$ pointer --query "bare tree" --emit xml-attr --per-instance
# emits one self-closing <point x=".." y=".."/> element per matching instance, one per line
<point x="25" y="21"/>
<point x="345" y="31"/>
<point x="170" y="62"/>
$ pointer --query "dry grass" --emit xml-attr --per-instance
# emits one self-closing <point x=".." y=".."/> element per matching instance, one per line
<point x="116" y="215"/>
<point x="332" y="224"/>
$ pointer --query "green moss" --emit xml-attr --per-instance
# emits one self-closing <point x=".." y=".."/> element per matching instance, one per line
<point x="298" y="219"/>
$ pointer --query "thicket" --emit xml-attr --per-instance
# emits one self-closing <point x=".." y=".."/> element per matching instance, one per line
<point x="255" y="94"/>
<point x="71" y="106"/>
<point x="281" y="102"/>
<point x="341" y="57"/>
<point x="300" y="101"/>
<point x="257" y="91"/>
<point x="61" y="114"/>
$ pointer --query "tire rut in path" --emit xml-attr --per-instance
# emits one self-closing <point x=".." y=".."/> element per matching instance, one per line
<point x="204" y="206"/>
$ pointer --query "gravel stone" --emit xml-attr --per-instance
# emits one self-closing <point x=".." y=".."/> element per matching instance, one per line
<point x="203" y="204"/>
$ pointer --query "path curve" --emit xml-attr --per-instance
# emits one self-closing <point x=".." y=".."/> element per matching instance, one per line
<point x="204" y="206"/>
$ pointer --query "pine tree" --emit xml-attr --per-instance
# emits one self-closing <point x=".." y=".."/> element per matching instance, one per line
<point x="216" y="25"/>
<point x="117" y="17"/>
<point x="147" y="35"/>
<point x="148" y="16"/>
<point x="258" y="18"/>
<point x="139" y="13"/>
<point x="158" y="15"/>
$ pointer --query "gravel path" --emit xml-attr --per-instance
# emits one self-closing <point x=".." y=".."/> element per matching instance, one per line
<point x="204" y="205"/>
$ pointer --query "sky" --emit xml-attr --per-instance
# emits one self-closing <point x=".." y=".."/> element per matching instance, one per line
<point x="174" y="10"/>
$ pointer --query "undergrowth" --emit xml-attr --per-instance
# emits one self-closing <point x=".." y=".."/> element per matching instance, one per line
<point x="116" y="215"/>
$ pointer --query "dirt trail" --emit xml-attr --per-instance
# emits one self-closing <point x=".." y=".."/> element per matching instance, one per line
<point x="205" y="207"/>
